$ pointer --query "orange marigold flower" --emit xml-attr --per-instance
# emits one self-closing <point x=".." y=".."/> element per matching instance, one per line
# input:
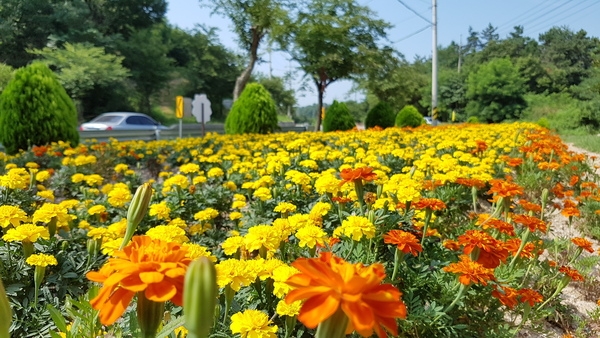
<point x="430" y="185"/>
<point x="533" y="223"/>
<point x="470" y="272"/>
<point x="429" y="203"/>
<point x="551" y="263"/>
<point x="572" y="273"/>
<point x="583" y="243"/>
<point x="513" y="245"/>
<point x="451" y="245"/>
<point x="506" y="295"/>
<point x="486" y="222"/>
<point x="147" y="265"/>
<point x="514" y="161"/>
<point x="328" y="283"/>
<point x="503" y="188"/>
<point x="528" y="206"/>
<point x="471" y="182"/>
<point x="588" y="185"/>
<point x="570" y="212"/>
<point x="530" y="296"/>
<point x="574" y="179"/>
<point x="351" y="175"/>
<point x="405" y="241"/>
<point x="491" y="250"/>
<point x="569" y="203"/>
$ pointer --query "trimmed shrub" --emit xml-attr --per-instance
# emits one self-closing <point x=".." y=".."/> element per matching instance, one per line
<point x="409" y="116"/>
<point x="382" y="115"/>
<point x="253" y="112"/>
<point x="36" y="110"/>
<point x="337" y="117"/>
<point x="473" y="119"/>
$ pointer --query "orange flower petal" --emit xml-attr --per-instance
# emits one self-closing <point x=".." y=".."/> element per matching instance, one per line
<point x="160" y="292"/>
<point x="133" y="283"/>
<point x="116" y="305"/>
<point x="317" y="309"/>
<point x="305" y="292"/>
<point x="151" y="277"/>
<point x="361" y="316"/>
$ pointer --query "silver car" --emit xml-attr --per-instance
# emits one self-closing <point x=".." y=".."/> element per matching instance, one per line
<point x="122" y="121"/>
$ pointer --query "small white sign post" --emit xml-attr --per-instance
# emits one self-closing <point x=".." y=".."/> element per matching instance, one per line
<point x="201" y="109"/>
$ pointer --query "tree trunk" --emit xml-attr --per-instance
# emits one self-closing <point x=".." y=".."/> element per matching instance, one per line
<point x="242" y="80"/>
<point x="321" y="90"/>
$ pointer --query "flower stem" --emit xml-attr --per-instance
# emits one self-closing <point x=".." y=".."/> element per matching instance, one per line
<point x="334" y="326"/>
<point x="428" y="213"/>
<point x="397" y="257"/>
<point x="523" y="242"/>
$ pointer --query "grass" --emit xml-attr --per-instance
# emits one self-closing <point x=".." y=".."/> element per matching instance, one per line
<point x="587" y="142"/>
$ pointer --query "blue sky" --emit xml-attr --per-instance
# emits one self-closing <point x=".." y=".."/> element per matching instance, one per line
<point x="454" y="19"/>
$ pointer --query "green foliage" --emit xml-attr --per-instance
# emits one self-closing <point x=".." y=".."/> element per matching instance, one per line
<point x="409" y="116"/>
<point x="382" y="115"/>
<point x="473" y="119"/>
<point x="543" y="122"/>
<point x="337" y="117"/>
<point x="80" y="67"/>
<point x="283" y="98"/>
<point x="6" y="74"/>
<point x="496" y="92"/>
<point x="253" y="112"/>
<point x="36" y="110"/>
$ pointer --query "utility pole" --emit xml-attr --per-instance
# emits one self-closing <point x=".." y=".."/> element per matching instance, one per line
<point x="434" y="64"/>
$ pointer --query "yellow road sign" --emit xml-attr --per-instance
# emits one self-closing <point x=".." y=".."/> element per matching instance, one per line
<point x="179" y="107"/>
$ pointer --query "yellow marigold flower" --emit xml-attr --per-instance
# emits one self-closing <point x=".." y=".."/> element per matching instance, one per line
<point x="93" y="179"/>
<point x="215" y="172"/>
<point x="118" y="229"/>
<point x="10" y="166"/>
<point x="160" y="210"/>
<point x="97" y="233"/>
<point x="47" y="194"/>
<point x="189" y="168"/>
<point x="261" y="235"/>
<point x="298" y="221"/>
<point x="199" y="179"/>
<point x="121" y="168"/>
<point x="262" y="194"/>
<point x="285" y="309"/>
<point x="42" y="260"/>
<point x="48" y="211"/>
<point x="93" y="191"/>
<point x="311" y="235"/>
<point x="230" y="185"/>
<point x="239" y="197"/>
<point x="181" y="332"/>
<point x="85" y="225"/>
<point x="252" y="324"/>
<point x="265" y="268"/>
<point x="231" y="245"/>
<point x="235" y="215"/>
<point x="96" y="209"/>
<point x="130" y="172"/>
<point x="234" y="273"/>
<point x="206" y="214"/>
<point x="327" y="183"/>
<point x="311" y="164"/>
<point x="197" y="250"/>
<point x="356" y="227"/>
<point x="238" y="204"/>
<point x="280" y="276"/>
<point x="320" y="209"/>
<point x="175" y="180"/>
<point x="199" y="229"/>
<point x="178" y="222"/>
<point x="11" y="215"/>
<point x="32" y="165"/>
<point x="110" y="246"/>
<point x="117" y="197"/>
<point x="68" y="204"/>
<point x="285" y="207"/>
<point x="16" y="178"/>
<point x="42" y="176"/>
<point x="298" y="177"/>
<point x="168" y="233"/>
<point x="26" y="233"/>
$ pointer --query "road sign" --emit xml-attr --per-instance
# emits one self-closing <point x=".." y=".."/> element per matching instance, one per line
<point x="201" y="108"/>
<point x="179" y="107"/>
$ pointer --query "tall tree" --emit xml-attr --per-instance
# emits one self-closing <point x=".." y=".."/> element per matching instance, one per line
<point x="488" y="35"/>
<point x="252" y="21"/>
<point x="334" y="40"/>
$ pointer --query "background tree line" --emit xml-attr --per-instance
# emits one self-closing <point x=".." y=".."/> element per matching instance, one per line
<point x="124" y="55"/>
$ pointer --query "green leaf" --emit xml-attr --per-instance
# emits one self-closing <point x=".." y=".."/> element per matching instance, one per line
<point x="57" y="317"/>
<point x="170" y="327"/>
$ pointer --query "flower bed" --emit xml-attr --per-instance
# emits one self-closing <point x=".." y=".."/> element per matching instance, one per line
<point x="423" y="232"/>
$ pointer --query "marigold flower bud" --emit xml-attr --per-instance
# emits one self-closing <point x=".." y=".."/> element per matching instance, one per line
<point x="200" y="297"/>
<point x="5" y="313"/>
<point x="137" y="210"/>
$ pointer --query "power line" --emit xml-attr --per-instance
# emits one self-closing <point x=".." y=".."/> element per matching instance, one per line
<point x="518" y="17"/>
<point x="533" y="21"/>
<point x="411" y="34"/>
<point x="540" y="26"/>
<point x="416" y="13"/>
